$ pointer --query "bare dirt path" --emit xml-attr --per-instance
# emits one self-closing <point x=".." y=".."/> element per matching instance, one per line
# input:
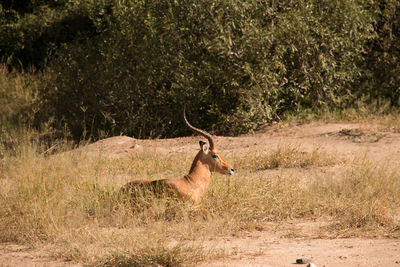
<point x="267" y="248"/>
<point x="22" y="256"/>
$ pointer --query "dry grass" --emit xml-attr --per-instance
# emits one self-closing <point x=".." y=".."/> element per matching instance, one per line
<point x="71" y="202"/>
<point x="18" y="92"/>
<point x="364" y="201"/>
<point x="380" y="115"/>
<point x="286" y="156"/>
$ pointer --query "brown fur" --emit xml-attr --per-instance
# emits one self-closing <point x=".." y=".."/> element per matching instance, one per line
<point x="192" y="186"/>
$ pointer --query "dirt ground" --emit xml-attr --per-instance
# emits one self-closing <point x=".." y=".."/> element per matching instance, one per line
<point x="264" y="247"/>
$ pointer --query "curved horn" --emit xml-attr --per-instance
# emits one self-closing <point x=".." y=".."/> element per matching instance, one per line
<point x="201" y="132"/>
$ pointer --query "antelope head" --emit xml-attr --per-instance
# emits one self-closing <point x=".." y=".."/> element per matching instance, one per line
<point x="208" y="154"/>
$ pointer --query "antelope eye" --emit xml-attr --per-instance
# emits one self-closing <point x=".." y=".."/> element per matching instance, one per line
<point x="215" y="156"/>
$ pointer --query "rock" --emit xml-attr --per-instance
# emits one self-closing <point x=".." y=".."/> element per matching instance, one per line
<point x="303" y="261"/>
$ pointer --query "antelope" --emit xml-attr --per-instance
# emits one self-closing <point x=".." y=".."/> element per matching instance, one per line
<point x="194" y="185"/>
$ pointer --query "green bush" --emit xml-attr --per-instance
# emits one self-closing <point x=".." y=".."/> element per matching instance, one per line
<point x="381" y="68"/>
<point x="30" y="33"/>
<point x="126" y="67"/>
<point x="240" y="64"/>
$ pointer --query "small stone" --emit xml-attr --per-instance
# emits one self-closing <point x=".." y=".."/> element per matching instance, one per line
<point x="303" y="261"/>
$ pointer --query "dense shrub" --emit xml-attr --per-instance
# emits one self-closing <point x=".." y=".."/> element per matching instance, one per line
<point x="127" y="67"/>
<point x="239" y="63"/>
<point x="30" y="32"/>
<point x="381" y="68"/>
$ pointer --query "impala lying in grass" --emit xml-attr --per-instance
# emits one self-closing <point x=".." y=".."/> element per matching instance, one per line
<point x="194" y="185"/>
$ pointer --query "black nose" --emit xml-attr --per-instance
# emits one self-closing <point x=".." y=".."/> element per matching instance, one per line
<point x="232" y="170"/>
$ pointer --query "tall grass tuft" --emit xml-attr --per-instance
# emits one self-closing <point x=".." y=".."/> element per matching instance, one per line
<point x="365" y="199"/>
<point x="159" y="254"/>
<point x="286" y="156"/>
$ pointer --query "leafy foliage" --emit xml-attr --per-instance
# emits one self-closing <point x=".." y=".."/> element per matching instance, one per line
<point x="127" y="67"/>
<point x="381" y="77"/>
<point x="31" y="33"/>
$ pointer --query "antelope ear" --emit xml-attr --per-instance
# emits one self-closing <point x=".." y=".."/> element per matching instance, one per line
<point x="204" y="146"/>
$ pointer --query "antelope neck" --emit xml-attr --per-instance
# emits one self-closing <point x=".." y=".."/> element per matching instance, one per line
<point x="200" y="172"/>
